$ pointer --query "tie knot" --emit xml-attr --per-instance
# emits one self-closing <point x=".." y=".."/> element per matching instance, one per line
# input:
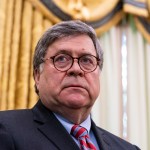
<point x="79" y="131"/>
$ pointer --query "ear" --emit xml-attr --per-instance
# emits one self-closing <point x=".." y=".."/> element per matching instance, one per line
<point x="36" y="75"/>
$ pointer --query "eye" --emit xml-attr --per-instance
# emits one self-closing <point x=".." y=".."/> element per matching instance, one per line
<point x="61" y="58"/>
<point x="86" y="60"/>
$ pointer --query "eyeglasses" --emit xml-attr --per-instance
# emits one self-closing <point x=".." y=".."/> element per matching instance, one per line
<point x="64" y="62"/>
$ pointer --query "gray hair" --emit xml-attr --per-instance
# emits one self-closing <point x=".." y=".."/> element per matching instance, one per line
<point x="64" y="29"/>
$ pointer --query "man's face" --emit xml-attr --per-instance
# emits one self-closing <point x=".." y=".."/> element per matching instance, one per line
<point x="74" y="88"/>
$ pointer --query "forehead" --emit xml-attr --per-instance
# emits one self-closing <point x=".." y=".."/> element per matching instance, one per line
<point x="79" y="44"/>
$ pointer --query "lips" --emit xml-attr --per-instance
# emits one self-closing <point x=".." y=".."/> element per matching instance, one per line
<point x="70" y="82"/>
<point x="75" y="86"/>
<point x="78" y="86"/>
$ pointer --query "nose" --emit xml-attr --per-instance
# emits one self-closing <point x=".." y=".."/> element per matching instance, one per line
<point x="75" y="69"/>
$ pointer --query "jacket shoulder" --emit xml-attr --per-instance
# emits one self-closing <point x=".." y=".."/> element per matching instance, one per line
<point x="15" y="116"/>
<point x="114" y="141"/>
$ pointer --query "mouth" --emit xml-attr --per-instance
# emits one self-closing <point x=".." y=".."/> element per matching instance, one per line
<point x="75" y="87"/>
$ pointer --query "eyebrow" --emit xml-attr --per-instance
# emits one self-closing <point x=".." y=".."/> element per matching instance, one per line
<point x="63" y="51"/>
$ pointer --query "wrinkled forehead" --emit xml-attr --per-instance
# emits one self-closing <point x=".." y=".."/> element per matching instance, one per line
<point x="73" y="43"/>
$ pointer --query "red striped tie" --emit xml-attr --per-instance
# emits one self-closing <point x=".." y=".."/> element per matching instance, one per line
<point x="82" y="136"/>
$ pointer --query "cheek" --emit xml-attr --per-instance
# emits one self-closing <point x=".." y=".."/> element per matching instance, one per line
<point x="94" y="84"/>
<point x="50" y="82"/>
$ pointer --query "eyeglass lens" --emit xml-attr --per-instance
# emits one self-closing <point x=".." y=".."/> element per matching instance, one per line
<point x="63" y="62"/>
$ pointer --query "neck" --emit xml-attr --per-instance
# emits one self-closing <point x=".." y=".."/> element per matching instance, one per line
<point x="76" y="116"/>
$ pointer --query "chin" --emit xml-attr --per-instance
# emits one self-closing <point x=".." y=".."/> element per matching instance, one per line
<point x="76" y="103"/>
<point x="76" y="100"/>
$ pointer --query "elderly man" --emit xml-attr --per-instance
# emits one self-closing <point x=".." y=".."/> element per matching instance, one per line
<point x="67" y="64"/>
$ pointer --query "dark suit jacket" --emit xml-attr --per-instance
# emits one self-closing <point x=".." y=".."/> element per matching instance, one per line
<point x="38" y="129"/>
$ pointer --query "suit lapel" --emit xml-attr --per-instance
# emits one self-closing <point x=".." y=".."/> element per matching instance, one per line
<point x="100" y="137"/>
<point x="51" y="128"/>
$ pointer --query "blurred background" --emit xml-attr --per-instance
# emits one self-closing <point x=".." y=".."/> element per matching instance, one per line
<point x="123" y="28"/>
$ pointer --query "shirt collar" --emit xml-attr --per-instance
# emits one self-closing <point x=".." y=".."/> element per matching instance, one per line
<point x="68" y="125"/>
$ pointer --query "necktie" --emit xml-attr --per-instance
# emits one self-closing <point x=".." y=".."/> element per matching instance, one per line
<point x="81" y="134"/>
